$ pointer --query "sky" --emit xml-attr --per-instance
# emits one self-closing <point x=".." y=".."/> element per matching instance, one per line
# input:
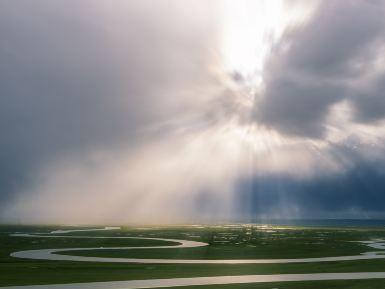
<point x="173" y="111"/>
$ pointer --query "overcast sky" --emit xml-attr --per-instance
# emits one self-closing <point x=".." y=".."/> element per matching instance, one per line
<point x="186" y="111"/>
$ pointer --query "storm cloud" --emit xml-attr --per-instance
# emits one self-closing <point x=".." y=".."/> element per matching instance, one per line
<point x="75" y="76"/>
<point x="126" y="109"/>
<point x="337" y="55"/>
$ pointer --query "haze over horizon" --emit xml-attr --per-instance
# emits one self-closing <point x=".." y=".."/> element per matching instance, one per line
<point x="191" y="111"/>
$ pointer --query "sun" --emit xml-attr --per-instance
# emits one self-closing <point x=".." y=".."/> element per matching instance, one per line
<point x="250" y="29"/>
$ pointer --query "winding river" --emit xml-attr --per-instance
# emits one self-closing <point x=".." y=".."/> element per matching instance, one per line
<point x="50" y="254"/>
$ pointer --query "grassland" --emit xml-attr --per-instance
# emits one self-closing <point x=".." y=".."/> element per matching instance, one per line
<point x="226" y="242"/>
<point x="348" y="284"/>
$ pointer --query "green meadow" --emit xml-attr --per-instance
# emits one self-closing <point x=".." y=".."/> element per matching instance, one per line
<point x="225" y="242"/>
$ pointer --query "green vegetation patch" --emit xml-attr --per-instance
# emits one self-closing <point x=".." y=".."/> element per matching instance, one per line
<point x="243" y="241"/>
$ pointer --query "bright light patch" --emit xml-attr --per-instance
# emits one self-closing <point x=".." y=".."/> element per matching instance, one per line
<point x="250" y="29"/>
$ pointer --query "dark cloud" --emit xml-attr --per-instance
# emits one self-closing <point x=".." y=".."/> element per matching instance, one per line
<point x="297" y="107"/>
<point x="77" y="75"/>
<point x="369" y="103"/>
<point x="337" y="36"/>
<point x="319" y="64"/>
<point x="358" y="192"/>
